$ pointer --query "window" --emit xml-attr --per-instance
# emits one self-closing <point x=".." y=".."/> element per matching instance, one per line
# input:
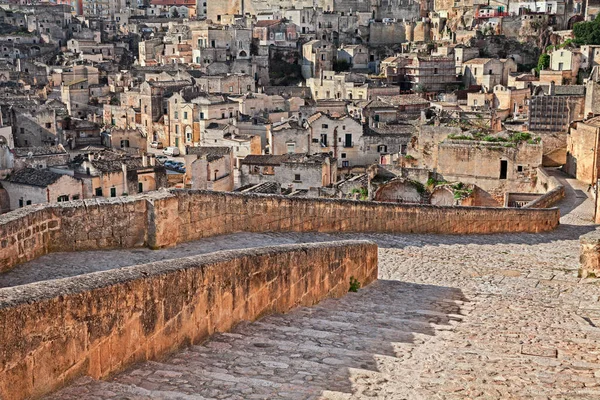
<point x="519" y="168"/>
<point x="176" y="129"/>
<point x="62" y="198"/>
<point x="113" y="192"/>
<point x="98" y="192"/>
<point x="348" y="140"/>
<point x="324" y="126"/>
<point x="21" y="202"/>
<point x="382" y="148"/>
<point x="28" y="203"/>
<point x="345" y="164"/>
<point x="296" y="177"/>
<point x="140" y="187"/>
<point x="176" y="115"/>
<point x="435" y="71"/>
<point x="291" y="147"/>
<point x="201" y="115"/>
<point x="48" y="125"/>
<point x="230" y="89"/>
<point x="343" y="155"/>
<point x="403" y="149"/>
<point x="75" y="197"/>
<point x="323" y="140"/>
<point x="124" y="143"/>
<point x="185" y="115"/>
<point x="503" y="169"/>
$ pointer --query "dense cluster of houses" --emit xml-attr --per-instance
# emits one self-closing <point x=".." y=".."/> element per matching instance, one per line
<point x="388" y="100"/>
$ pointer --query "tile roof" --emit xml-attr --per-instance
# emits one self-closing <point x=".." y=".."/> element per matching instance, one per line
<point x="33" y="177"/>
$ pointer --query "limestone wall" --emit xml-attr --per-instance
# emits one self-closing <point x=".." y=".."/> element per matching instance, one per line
<point x="190" y="215"/>
<point x="100" y="323"/>
<point x="99" y="223"/>
<point x="554" y="191"/>
<point x="589" y="255"/>
<point x="165" y="218"/>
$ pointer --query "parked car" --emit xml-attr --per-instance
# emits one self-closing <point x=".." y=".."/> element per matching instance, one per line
<point x="171" y="151"/>
<point x="161" y="158"/>
<point x="169" y="164"/>
<point x="156" y="145"/>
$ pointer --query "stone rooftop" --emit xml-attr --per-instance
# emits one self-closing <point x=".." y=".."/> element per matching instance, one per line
<point x="33" y="177"/>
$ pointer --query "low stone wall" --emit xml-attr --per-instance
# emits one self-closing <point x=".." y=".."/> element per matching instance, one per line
<point x="589" y="255"/>
<point x="191" y="215"/>
<point x="100" y="323"/>
<point x="554" y="191"/>
<point x="166" y="218"/>
<point x="32" y="231"/>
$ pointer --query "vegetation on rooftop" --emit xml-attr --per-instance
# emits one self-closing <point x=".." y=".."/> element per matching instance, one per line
<point x="513" y="140"/>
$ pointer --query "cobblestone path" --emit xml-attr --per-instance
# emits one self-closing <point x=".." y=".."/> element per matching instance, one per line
<point x="452" y="317"/>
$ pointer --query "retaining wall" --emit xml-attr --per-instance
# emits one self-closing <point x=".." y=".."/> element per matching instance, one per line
<point x="190" y="215"/>
<point x="99" y="323"/>
<point x="554" y="191"/>
<point x="164" y="218"/>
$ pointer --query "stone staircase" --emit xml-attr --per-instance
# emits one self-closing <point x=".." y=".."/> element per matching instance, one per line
<point x="318" y="352"/>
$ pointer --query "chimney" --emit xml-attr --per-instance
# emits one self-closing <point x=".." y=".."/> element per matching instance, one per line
<point x="144" y="160"/>
<point x="551" y="90"/>
<point x="90" y="156"/>
<point x="152" y="160"/>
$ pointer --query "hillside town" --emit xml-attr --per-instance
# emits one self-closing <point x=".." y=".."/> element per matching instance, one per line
<point x="430" y="102"/>
<point x="299" y="200"/>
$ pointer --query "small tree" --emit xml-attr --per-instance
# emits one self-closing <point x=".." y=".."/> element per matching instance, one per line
<point x="543" y="62"/>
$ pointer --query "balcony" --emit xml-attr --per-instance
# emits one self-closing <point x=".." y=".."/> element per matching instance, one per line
<point x="348" y="144"/>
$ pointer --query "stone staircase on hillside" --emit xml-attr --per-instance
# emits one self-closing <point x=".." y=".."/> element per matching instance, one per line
<point x="312" y="352"/>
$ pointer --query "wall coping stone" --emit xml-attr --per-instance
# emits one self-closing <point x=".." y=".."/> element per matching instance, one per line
<point x="45" y="290"/>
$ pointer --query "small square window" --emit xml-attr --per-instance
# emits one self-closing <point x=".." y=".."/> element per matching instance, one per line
<point x="519" y="168"/>
<point x="324" y="126"/>
<point x="297" y="177"/>
<point x="343" y="155"/>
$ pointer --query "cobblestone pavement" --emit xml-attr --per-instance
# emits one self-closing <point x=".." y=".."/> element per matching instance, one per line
<point x="452" y="317"/>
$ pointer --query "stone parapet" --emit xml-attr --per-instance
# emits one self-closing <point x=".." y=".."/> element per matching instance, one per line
<point x="100" y="323"/>
<point x="554" y="191"/>
<point x="166" y="218"/>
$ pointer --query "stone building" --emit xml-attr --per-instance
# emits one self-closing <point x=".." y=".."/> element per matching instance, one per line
<point x="209" y="168"/>
<point x="552" y="108"/>
<point x="430" y="74"/>
<point x="39" y="186"/>
<point x="130" y="140"/>
<point x="317" y="56"/>
<point x="582" y="150"/>
<point x="289" y="137"/>
<point x="340" y="137"/>
<point x="108" y="174"/>
<point x="291" y="171"/>
<point x="39" y="157"/>
<point x="487" y="72"/>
